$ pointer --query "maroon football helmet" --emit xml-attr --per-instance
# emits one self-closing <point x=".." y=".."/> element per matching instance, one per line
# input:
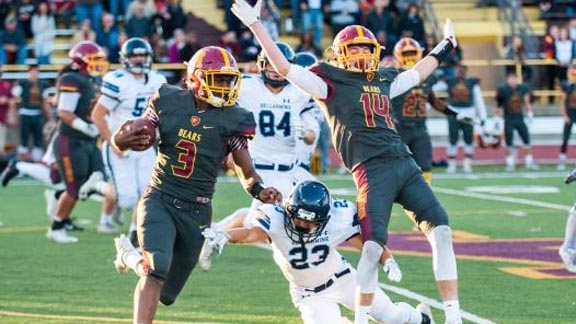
<point x="356" y="35"/>
<point x="407" y="52"/>
<point x="213" y="76"/>
<point x="89" y="57"/>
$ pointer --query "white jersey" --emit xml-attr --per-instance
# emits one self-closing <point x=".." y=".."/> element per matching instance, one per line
<point x="304" y="151"/>
<point x="315" y="263"/>
<point x="277" y="117"/>
<point x="126" y="97"/>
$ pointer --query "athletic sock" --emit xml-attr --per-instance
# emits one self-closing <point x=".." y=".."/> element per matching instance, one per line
<point x="452" y="312"/>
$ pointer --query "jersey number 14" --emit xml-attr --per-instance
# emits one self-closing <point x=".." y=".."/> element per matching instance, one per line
<point x="376" y="104"/>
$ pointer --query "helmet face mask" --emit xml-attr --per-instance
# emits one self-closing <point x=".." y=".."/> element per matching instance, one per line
<point x="136" y="56"/>
<point x="89" y="57"/>
<point x="350" y="52"/>
<point x="307" y="211"/>
<point x="407" y="52"/>
<point x="213" y="76"/>
<point x="264" y="65"/>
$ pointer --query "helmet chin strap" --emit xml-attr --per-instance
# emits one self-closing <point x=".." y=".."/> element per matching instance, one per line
<point x="274" y="83"/>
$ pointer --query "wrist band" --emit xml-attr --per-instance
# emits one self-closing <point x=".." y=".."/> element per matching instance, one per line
<point x="256" y="189"/>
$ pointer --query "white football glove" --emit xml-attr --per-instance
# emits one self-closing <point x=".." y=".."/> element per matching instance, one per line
<point x="529" y="117"/>
<point x="246" y="13"/>
<point x="449" y="33"/>
<point x="392" y="270"/>
<point x="464" y="119"/>
<point x="216" y="239"/>
<point x="88" y="129"/>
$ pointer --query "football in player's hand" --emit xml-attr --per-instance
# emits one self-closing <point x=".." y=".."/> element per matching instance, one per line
<point x="144" y="126"/>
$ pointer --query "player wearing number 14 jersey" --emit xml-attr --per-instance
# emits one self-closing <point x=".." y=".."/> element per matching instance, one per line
<point x="354" y="94"/>
<point x="125" y="93"/>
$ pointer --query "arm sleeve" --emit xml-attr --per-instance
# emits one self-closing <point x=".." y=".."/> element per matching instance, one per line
<point x="479" y="102"/>
<point x="308" y="82"/>
<point x="404" y="82"/>
<point x="68" y="101"/>
<point x="236" y="143"/>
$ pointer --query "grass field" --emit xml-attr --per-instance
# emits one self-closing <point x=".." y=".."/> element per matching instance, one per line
<point x="506" y="244"/>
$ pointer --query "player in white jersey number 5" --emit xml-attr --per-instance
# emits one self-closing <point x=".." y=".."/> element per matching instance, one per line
<point x="303" y="235"/>
<point x="125" y="94"/>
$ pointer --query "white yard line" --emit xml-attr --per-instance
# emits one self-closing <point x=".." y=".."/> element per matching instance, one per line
<point x="433" y="303"/>
<point x="513" y="200"/>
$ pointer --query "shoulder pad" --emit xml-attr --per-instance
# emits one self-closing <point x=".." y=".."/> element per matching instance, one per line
<point x="116" y="74"/>
<point x="389" y="73"/>
<point x="167" y="89"/>
<point x="69" y="82"/>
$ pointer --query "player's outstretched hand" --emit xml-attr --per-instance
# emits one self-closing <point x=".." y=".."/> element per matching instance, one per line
<point x="129" y="137"/>
<point x="571" y="177"/>
<point x="246" y="13"/>
<point x="392" y="270"/>
<point x="216" y="239"/>
<point x="270" y="195"/>
<point x="449" y="33"/>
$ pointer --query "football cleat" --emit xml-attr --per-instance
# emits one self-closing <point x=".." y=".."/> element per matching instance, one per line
<point x="10" y="172"/>
<point x="451" y="169"/>
<point x="71" y="226"/>
<point x="426" y="313"/>
<point x="124" y="249"/>
<point x="568" y="257"/>
<point x="51" y="203"/>
<point x="107" y="229"/>
<point x="205" y="258"/>
<point x="88" y="187"/>
<point x="570" y="177"/>
<point x="60" y="236"/>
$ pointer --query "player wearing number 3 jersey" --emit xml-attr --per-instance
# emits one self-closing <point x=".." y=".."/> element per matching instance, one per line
<point x="198" y="127"/>
<point x="354" y="94"/>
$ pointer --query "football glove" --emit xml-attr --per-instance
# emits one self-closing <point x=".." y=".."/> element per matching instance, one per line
<point x="449" y="33"/>
<point x="216" y="239"/>
<point x="571" y="177"/>
<point x="246" y="13"/>
<point x="392" y="270"/>
<point x="464" y="119"/>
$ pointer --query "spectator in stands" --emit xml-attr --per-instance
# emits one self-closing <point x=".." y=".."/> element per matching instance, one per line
<point x="12" y="42"/>
<point x="118" y="8"/>
<point x="564" y="53"/>
<point x="249" y="45"/>
<point x="5" y="10"/>
<point x="385" y="46"/>
<point x="572" y="29"/>
<point x="89" y="9"/>
<point x="84" y="33"/>
<point x="43" y="27"/>
<point x="173" y="18"/>
<point x="107" y="36"/>
<point x="381" y="19"/>
<point x="114" y="54"/>
<point x="548" y="48"/>
<point x="138" y="24"/>
<point x="229" y="41"/>
<point x="411" y="25"/>
<point x="62" y="10"/>
<point x="156" y="27"/>
<point x="190" y="48"/>
<point x="159" y="48"/>
<point x="306" y="45"/>
<point x="516" y="51"/>
<point x="342" y="14"/>
<point x="178" y="44"/>
<point x="149" y="9"/>
<point x="270" y="18"/>
<point x="7" y="109"/>
<point x="24" y="12"/>
<point x="31" y="110"/>
<point x="312" y="14"/>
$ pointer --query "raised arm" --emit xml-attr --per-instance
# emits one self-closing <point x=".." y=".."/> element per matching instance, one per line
<point x="300" y="77"/>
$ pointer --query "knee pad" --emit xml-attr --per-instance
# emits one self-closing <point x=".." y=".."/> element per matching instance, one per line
<point x="443" y="258"/>
<point x="452" y="150"/>
<point x="167" y="300"/>
<point x="367" y="271"/>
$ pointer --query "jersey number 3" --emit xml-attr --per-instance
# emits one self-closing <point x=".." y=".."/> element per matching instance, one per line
<point x="187" y="157"/>
<point x="376" y="104"/>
